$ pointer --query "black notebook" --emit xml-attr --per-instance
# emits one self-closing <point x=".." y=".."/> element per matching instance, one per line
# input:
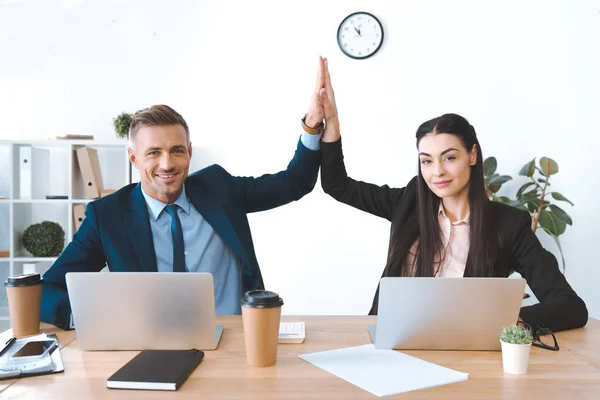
<point x="156" y="370"/>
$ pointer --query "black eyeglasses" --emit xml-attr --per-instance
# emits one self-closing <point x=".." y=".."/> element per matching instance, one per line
<point x="540" y="336"/>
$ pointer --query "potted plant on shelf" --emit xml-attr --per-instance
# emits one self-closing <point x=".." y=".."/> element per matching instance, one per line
<point x="121" y="124"/>
<point x="516" y="344"/>
<point x="46" y="239"/>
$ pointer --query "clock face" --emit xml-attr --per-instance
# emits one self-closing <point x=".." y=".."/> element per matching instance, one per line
<point x="360" y="35"/>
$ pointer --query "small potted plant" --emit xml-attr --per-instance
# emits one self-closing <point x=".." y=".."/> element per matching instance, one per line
<point x="46" y="239"/>
<point x="516" y="344"/>
<point x="121" y="124"/>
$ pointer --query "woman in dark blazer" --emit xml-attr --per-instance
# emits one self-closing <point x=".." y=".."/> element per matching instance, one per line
<point x="448" y="192"/>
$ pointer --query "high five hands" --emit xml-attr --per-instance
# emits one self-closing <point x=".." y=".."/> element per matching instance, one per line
<point x="322" y="104"/>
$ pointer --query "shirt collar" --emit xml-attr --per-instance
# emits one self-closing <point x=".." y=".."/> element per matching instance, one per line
<point x="155" y="207"/>
<point x="442" y="215"/>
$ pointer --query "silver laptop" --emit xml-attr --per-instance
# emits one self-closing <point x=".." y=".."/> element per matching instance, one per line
<point x="445" y="313"/>
<point x="143" y="310"/>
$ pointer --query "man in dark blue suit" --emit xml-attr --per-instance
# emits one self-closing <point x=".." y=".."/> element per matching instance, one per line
<point x="172" y="222"/>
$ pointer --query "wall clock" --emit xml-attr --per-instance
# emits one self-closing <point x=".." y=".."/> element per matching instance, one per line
<point x="360" y="35"/>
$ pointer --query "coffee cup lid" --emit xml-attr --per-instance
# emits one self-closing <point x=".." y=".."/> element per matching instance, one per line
<point x="261" y="299"/>
<point x="23" y="280"/>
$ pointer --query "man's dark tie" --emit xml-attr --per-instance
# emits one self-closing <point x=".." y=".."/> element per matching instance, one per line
<point x="177" y="235"/>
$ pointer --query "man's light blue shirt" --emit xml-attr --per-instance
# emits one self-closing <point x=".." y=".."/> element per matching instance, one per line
<point x="204" y="249"/>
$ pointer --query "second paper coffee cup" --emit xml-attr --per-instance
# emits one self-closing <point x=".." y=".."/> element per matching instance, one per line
<point x="261" y="313"/>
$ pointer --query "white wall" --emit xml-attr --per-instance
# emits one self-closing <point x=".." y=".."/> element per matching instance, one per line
<point x="524" y="73"/>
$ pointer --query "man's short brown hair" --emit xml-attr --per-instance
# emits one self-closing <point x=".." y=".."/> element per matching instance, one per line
<point x="154" y="116"/>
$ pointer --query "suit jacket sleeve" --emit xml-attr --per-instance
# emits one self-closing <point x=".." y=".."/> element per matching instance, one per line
<point x="377" y="200"/>
<point x="83" y="254"/>
<point x="559" y="308"/>
<point x="273" y="190"/>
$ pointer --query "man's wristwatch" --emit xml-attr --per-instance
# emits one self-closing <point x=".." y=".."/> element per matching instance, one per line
<point x="318" y="130"/>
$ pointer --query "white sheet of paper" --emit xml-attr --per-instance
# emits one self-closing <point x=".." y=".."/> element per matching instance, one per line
<point x="383" y="372"/>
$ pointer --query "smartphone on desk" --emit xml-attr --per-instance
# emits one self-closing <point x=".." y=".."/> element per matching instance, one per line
<point x="33" y="357"/>
<point x="33" y="351"/>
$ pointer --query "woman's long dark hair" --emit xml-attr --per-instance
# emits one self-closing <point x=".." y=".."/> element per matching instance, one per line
<point x="424" y="224"/>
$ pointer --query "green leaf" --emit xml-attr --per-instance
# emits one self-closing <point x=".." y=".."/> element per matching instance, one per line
<point x="489" y="166"/>
<point x="561" y="214"/>
<point x="530" y="196"/>
<point x="500" y="180"/>
<point x="549" y="166"/>
<point x="528" y="168"/>
<point x="489" y="178"/>
<point x="540" y="171"/>
<point x="548" y="221"/>
<point x="522" y="188"/>
<point x="494" y="188"/>
<point x="516" y="203"/>
<point x="561" y="225"/>
<point x="560" y="197"/>
<point x="504" y="199"/>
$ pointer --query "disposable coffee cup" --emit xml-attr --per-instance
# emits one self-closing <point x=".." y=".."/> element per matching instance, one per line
<point x="24" y="294"/>
<point x="261" y="313"/>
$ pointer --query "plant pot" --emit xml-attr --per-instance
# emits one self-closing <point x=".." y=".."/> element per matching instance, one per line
<point x="515" y="357"/>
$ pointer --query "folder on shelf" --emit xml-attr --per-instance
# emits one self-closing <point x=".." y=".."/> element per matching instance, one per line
<point x="25" y="178"/>
<point x="78" y="215"/>
<point x="89" y="166"/>
<point x="33" y="172"/>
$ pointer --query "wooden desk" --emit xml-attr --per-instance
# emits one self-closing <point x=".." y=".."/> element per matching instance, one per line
<point x="571" y="373"/>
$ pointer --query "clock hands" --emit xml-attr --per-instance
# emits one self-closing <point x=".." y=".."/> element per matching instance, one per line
<point x="357" y="30"/>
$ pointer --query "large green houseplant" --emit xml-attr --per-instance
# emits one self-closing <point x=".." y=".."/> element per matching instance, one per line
<point x="533" y="196"/>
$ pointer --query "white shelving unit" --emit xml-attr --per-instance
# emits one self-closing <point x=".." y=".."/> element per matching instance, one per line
<point x="55" y="171"/>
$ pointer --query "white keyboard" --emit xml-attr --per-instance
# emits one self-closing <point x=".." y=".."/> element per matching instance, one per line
<point x="291" y="332"/>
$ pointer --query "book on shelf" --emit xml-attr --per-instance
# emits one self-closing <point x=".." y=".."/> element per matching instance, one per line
<point x="74" y="137"/>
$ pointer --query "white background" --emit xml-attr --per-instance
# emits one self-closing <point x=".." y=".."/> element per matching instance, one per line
<point x="526" y="74"/>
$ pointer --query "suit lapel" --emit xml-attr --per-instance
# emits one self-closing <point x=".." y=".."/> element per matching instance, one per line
<point x="138" y="227"/>
<point x="215" y="215"/>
